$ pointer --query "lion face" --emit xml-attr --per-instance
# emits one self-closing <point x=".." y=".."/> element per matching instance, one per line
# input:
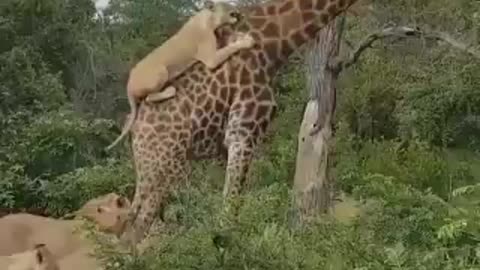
<point x="108" y="212"/>
<point x="39" y="258"/>
<point x="223" y="13"/>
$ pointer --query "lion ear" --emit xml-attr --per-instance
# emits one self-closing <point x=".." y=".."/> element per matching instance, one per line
<point x="209" y="4"/>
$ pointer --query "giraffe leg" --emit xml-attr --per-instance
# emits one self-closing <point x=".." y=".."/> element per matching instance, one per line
<point x="162" y="95"/>
<point x="241" y="139"/>
<point x="161" y="175"/>
<point x="240" y="155"/>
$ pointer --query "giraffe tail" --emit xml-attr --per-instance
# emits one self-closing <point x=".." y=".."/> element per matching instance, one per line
<point x="128" y="126"/>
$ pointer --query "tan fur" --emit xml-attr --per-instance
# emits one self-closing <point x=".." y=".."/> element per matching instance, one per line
<point x="38" y="258"/>
<point x="64" y="237"/>
<point x="195" y="41"/>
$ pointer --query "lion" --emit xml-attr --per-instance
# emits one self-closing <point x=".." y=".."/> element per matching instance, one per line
<point x="38" y="258"/>
<point x="195" y="41"/>
<point x="64" y="238"/>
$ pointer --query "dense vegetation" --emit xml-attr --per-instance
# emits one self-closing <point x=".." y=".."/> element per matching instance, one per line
<point x="408" y="140"/>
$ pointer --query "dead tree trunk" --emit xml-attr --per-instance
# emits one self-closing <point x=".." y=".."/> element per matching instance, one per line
<point x="313" y="181"/>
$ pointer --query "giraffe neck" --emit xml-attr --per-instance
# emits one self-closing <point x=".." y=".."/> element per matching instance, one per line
<point x="281" y="26"/>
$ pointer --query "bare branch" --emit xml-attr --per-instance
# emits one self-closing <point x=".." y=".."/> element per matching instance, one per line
<point x="400" y="32"/>
<point x="453" y="42"/>
<point x="368" y="42"/>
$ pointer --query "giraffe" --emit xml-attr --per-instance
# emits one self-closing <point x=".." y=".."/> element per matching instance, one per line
<point x="219" y="113"/>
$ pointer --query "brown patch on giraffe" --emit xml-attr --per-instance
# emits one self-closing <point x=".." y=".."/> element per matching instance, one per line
<point x="248" y="125"/>
<point x="177" y="118"/>
<point x="244" y="55"/>
<point x="194" y="77"/>
<point x="209" y="105"/>
<point x="171" y="109"/>
<point x="201" y="71"/>
<point x="305" y="4"/>
<point x="164" y="118"/>
<point x="324" y="18"/>
<point x="242" y="133"/>
<point x="311" y="30"/>
<point x="150" y="118"/>
<point x="236" y="107"/>
<point x="200" y="134"/>
<point x="221" y="77"/>
<point x="161" y="128"/>
<point x="332" y="8"/>
<point x="214" y="88"/>
<point x="183" y="83"/>
<point x="291" y="22"/>
<point x="216" y="119"/>
<point x="249" y="109"/>
<point x="271" y="30"/>
<point x="224" y="93"/>
<point x="262" y="58"/>
<point x="286" y="49"/>
<point x="233" y="91"/>
<point x="286" y="7"/>
<point x="260" y="77"/>
<point x="272" y="10"/>
<point x="198" y="113"/>
<point x="264" y="125"/>
<point x="262" y="111"/>
<point x="308" y="16"/>
<point x="211" y="131"/>
<point x="320" y="5"/>
<point x="204" y="122"/>
<point x="253" y="63"/>
<point x="151" y="136"/>
<point x="173" y="135"/>
<point x="257" y="37"/>
<point x="246" y="94"/>
<point x="163" y="137"/>
<point x="183" y="135"/>
<point x="191" y="97"/>
<point x="232" y="77"/>
<point x="273" y="113"/>
<point x="219" y="107"/>
<point x="208" y="81"/>
<point x="201" y="99"/>
<point x="185" y="108"/>
<point x="271" y="49"/>
<point x="256" y="132"/>
<point x="258" y="11"/>
<point x="257" y="23"/>
<point x="245" y="77"/>
<point x="341" y="4"/>
<point x="297" y="39"/>
<point x="262" y="93"/>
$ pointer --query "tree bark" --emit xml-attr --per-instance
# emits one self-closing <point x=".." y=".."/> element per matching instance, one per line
<point x="313" y="180"/>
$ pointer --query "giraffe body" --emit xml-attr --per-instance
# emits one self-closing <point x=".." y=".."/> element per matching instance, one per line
<point x="219" y="113"/>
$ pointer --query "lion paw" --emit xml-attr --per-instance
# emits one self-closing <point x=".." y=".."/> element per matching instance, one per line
<point x="246" y="40"/>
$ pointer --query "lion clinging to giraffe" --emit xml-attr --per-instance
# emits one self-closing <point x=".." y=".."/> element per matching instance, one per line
<point x="195" y="41"/>
<point x="221" y="112"/>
